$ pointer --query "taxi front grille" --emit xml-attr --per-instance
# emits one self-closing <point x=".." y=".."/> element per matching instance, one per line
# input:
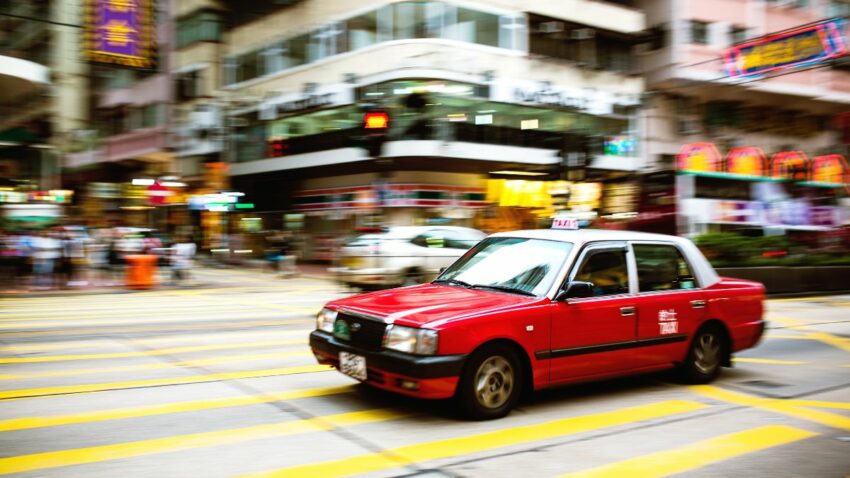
<point x="365" y="333"/>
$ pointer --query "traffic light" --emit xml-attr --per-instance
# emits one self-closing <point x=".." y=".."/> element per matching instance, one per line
<point x="376" y="124"/>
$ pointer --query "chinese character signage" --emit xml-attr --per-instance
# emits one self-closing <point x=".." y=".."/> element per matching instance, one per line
<point x="798" y="48"/>
<point x="120" y="32"/>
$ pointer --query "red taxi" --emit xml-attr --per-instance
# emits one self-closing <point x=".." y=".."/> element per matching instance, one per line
<point x="527" y="310"/>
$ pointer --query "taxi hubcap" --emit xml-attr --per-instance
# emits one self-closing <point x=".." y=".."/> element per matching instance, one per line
<point x="494" y="382"/>
<point x="707" y="353"/>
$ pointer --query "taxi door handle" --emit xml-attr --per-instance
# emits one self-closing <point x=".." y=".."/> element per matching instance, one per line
<point x="627" y="311"/>
<point x="697" y="304"/>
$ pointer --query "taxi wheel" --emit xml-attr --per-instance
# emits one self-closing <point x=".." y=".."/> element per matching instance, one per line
<point x="705" y="356"/>
<point x="491" y="383"/>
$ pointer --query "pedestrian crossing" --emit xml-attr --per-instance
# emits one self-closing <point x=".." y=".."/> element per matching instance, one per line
<point x="218" y="382"/>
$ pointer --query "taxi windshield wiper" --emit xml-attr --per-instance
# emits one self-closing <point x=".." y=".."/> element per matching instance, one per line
<point x="502" y="288"/>
<point x="453" y="282"/>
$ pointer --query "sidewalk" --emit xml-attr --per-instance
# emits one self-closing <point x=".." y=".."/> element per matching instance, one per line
<point x="204" y="275"/>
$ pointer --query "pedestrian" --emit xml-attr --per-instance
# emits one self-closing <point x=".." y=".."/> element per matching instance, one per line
<point x="182" y="255"/>
<point x="46" y="251"/>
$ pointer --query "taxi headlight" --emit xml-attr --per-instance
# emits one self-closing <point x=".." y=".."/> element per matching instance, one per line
<point x="325" y="320"/>
<point x="411" y="340"/>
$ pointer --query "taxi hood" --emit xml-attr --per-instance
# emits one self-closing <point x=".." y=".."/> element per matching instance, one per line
<point x="428" y="303"/>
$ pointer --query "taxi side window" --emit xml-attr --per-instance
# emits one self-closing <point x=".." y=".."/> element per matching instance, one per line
<point x="662" y="267"/>
<point x="607" y="271"/>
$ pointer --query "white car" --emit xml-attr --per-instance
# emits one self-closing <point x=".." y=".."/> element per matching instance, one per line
<point x="403" y="255"/>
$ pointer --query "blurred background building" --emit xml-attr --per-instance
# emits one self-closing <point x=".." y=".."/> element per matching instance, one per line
<point x="43" y="102"/>
<point x="216" y="117"/>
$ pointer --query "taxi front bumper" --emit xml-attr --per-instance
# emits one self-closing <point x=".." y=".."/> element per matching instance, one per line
<point x="431" y="377"/>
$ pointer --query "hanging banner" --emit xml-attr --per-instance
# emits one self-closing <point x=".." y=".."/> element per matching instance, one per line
<point x="698" y="157"/>
<point x="793" y="49"/>
<point x="746" y="160"/>
<point x="119" y="32"/>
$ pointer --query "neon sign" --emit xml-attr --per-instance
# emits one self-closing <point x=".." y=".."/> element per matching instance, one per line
<point x="746" y="160"/>
<point x="831" y="168"/>
<point x="698" y="157"/>
<point x="790" y="165"/>
<point x="793" y="49"/>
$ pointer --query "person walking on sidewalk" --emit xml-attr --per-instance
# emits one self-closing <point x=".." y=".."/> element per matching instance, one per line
<point x="182" y="255"/>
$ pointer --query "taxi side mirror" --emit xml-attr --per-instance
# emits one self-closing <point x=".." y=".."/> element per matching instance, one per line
<point x="576" y="289"/>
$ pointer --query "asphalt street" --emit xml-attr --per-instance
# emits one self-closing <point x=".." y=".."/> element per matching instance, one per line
<point x="218" y="381"/>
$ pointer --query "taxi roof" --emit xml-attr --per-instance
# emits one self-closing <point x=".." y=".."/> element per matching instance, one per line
<point x="701" y="267"/>
<point x="581" y="236"/>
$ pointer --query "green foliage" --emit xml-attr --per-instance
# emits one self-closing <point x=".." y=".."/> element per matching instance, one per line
<point x="734" y="250"/>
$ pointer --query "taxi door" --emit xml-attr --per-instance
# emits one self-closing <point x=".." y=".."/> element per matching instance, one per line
<point x="670" y="303"/>
<point x="591" y="336"/>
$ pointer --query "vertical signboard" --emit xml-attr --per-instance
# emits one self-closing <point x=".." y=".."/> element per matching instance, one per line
<point x="120" y="32"/>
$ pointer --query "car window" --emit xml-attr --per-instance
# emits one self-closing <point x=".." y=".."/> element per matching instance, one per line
<point x="461" y="239"/>
<point x="662" y="267"/>
<point x="526" y="265"/>
<point x="607" y="270"/>
<point x="432" y="239"/>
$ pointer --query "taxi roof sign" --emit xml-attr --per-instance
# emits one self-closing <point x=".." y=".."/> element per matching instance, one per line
<point x="565" y="223"/>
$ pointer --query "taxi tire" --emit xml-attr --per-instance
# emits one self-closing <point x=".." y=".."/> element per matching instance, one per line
<point x="690" y="372"/>
<point x="466" y="391"/>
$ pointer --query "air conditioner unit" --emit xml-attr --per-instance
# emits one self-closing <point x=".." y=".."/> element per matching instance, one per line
<point x="551" y="27"/>
<point x="582" y="34"/>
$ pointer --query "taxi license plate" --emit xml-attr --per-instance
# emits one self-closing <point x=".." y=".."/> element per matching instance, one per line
<point x="351" y="262"/>
<point x="353" y="365"/>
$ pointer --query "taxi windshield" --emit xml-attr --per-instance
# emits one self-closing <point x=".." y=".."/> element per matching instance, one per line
<point x="509" y="264"/>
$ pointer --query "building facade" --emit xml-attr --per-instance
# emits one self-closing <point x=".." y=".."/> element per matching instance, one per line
<point x="747" y="100"/>
<point x="485" y="101"/>
<point x="43" y="101"/>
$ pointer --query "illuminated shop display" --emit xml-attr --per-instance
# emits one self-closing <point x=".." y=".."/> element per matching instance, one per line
<point x="752" y="161"/>
<point x="790" y="165"/>
<point x="793" y="49"/>
<point x="699" y="157"/>
<point x="748" y="160"/>
<point x="389" y="195"/>
<point x="831" y="168"/>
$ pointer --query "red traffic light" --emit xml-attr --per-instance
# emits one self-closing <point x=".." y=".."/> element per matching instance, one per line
<point x="376" y="120"/>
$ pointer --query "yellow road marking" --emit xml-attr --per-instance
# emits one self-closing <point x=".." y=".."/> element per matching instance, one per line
<point x="157" y="328"/>
<point x="155" y="320"/>
<point x="407" y="455"/>
<point x="821" y="404"/>
<point x="111" y="343"/>
<point x="768" y="361"/>
<point x="155" y="366"/>
<point x="95" y="454"/>
<point x="784" y="407"/>
<point x="27" y="423"/>
<point x="697" y="455"/>
<point x="259" y="304"/>
<point x="213" y="377"/>
<point x="788" y="336"/>
<point x="838" y="342"/>
<point x="147" y="353"/>
<point x="139" y="312"/>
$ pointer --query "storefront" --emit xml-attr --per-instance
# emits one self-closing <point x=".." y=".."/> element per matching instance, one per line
<point x="747" y="191"/>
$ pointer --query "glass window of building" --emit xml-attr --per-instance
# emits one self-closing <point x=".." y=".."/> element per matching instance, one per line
<point x="362" y="30"/>
<point x="200" y="26"/>
<point x="476" y="27"/>
<point x="699" y="32"/>
<point x="738" y="34"/>
<point x="513" y="32"/>
<point x="299" y="50"/>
